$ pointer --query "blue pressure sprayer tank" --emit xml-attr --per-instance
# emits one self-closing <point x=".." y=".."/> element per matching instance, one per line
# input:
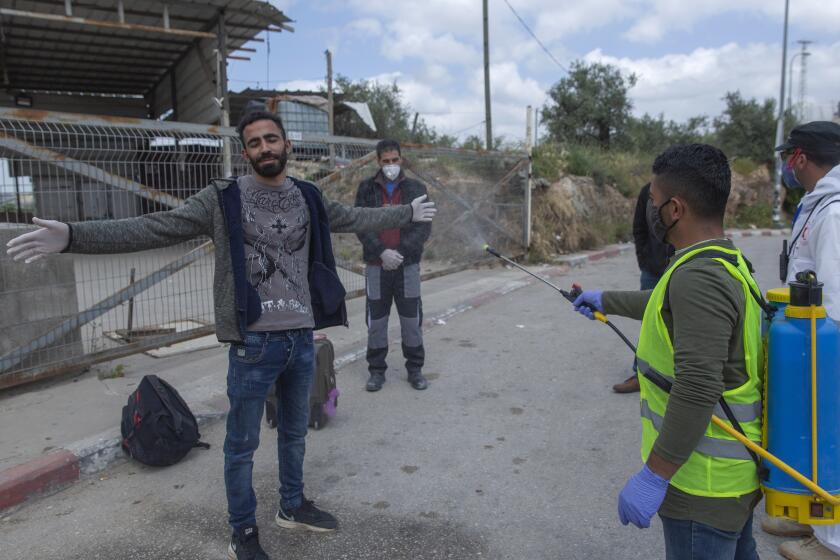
<point x="802" y="404"/>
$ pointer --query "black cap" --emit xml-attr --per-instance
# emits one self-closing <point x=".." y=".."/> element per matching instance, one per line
<point x="818" y="137"/>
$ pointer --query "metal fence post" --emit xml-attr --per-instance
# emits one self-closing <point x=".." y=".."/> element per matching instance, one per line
<point x="526" y="237"/>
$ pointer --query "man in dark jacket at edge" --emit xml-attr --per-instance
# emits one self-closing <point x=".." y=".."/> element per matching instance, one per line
<point x="652" y="256"/>
<point x="275" y="281"/>
<point x="393" y="257"/>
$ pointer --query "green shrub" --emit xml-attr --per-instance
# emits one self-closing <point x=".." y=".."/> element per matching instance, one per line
<point x="580" y="160"/>
<point x="758" y="215"/>
<point x="546" y="162"/>
<point x="744" y="166"/>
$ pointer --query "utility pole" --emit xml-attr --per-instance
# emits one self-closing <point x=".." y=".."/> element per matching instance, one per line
<point x="803" y="74"/>
<point x="414" y="127"/>
<point x="780" y="128"/>
<point x="790" y="82"/>
<point x="529" y="133"/>
<point x="330" y="105"/>
<point x="488" y="122"/>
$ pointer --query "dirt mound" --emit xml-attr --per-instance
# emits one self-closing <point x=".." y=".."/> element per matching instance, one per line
<point x="750" y="194"/>
<point x="576" y="214"/>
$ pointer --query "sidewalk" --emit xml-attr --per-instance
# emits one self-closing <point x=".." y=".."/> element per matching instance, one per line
<point x="55" y="433"/>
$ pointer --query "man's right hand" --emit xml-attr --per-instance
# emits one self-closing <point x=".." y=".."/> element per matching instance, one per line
<point x="588" y="301"/>
<point x="421" y="210"/>
<point x="51" y="237"/>
<point x="391" y="259"/>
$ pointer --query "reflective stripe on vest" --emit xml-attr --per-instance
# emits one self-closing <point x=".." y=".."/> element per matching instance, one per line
<point x="714" y="447"/>
<point x="719" y="466"/>
<point x="744" y="413"/>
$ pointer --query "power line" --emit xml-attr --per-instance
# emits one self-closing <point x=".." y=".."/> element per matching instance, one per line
<point x="457" y="132"/>
<point x="540" y="43"/>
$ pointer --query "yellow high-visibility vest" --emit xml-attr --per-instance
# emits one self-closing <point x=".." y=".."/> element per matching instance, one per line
<point x="720" y="466"/>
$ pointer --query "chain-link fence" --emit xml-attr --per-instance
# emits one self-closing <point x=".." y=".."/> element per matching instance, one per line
<point x="67" y="312"/>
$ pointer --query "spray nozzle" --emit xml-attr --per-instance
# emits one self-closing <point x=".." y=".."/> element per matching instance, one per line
<point x="492" y="251"/>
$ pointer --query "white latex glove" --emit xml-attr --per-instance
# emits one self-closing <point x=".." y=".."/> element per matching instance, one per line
<point x="50" y="237"/>
<point x="422" y="211"/>
<point x="391" y="259"/>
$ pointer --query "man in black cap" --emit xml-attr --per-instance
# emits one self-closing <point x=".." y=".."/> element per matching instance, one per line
<point x="811" y="161"/>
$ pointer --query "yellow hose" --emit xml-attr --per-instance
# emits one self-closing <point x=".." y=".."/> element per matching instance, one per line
<point x="787" y="469"/>
<point x="814" y="393"/>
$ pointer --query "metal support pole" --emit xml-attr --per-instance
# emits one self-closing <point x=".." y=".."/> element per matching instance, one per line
<point x="330" y="106"/>
<point x="488" y="121"/>
<point x="166" y="16"/>
<point x="222" y="94"/>
<point x="121" y="11"/>
<point x="173" y="93"/>
<point x="13" y="169"/>
<point x="130" y="321"/>
<point x="68" y="8"/>
<point x="529" y="120"/>
<point x="780" y="128"/>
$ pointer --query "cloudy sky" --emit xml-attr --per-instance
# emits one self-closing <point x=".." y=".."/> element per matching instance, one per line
<point x="686" y="58"/>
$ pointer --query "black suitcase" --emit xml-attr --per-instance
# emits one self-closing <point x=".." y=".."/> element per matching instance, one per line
<point x="323" y="398"/>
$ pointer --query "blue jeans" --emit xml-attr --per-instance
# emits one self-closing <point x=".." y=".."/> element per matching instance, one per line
<point x="648" y="281"/>
<point x="689" y="540"/>
<point x="287" y="357"/>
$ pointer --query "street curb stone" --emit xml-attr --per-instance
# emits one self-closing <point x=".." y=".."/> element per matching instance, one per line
<point x="86" y="457"/>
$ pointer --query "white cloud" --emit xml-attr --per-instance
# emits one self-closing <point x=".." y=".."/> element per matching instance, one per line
<point x="684" y="85"/>
<point x="436" y="48"/>
<point x="365" y="26"/>
<point x="657" y="17"/>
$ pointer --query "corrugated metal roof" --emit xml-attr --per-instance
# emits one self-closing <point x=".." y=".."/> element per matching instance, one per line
<point x="61" y="54"/>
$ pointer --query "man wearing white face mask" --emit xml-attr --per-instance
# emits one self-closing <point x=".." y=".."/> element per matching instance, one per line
<point x="393" y="269"/>
<point x="811" y="161"/>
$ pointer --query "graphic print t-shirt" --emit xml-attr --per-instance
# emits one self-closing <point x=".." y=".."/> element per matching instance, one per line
<point x="276" y="225"/>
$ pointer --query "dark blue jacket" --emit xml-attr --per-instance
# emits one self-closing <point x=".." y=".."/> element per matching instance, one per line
<point x="325" y="288"/>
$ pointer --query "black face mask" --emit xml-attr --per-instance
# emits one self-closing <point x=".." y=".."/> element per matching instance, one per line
<point x="654" y="217"/>
<point x="273" y="169"/>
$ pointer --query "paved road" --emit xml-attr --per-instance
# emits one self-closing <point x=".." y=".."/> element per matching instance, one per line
<point x="517" y="450"/>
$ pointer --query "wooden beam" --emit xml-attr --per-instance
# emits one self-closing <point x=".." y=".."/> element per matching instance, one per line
<point x="104" y="24"/>
<point x="177" y="44"/>
<point x="21" y="55"/>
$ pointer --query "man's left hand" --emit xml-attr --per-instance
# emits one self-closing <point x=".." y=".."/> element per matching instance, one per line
<point x="641" y="497"/>
<point x="421" y="210"/>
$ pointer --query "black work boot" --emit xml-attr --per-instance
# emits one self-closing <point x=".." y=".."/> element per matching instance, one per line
<point x="306" y="516"/>
<point x="245" y="545"/>
<point x="417" y="381"/>
<point x="375" y="382"/>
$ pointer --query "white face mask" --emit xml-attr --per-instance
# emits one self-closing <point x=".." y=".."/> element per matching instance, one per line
<point x="391" y="171"/>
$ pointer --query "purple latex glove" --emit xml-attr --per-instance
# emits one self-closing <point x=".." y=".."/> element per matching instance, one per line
<point x="332" y="402"/>
<point x="592" y="298"/>
<point x="641" y="497"/>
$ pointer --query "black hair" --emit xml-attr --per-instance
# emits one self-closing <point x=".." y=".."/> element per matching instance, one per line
<point x="823" y="159"/>
<point x="254" y="116"/>
<point x="387" y="146"/>
<point x="697" y="173"/>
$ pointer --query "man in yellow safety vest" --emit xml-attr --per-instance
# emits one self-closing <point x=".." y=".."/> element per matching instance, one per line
<point x="700" y="335"/>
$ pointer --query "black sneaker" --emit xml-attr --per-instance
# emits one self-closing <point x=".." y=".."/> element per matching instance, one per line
<point x="418" y="381"/>
<point x="307" y="516"/>
<point x="375" y="382"/>
<point x="245" y="545"/>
